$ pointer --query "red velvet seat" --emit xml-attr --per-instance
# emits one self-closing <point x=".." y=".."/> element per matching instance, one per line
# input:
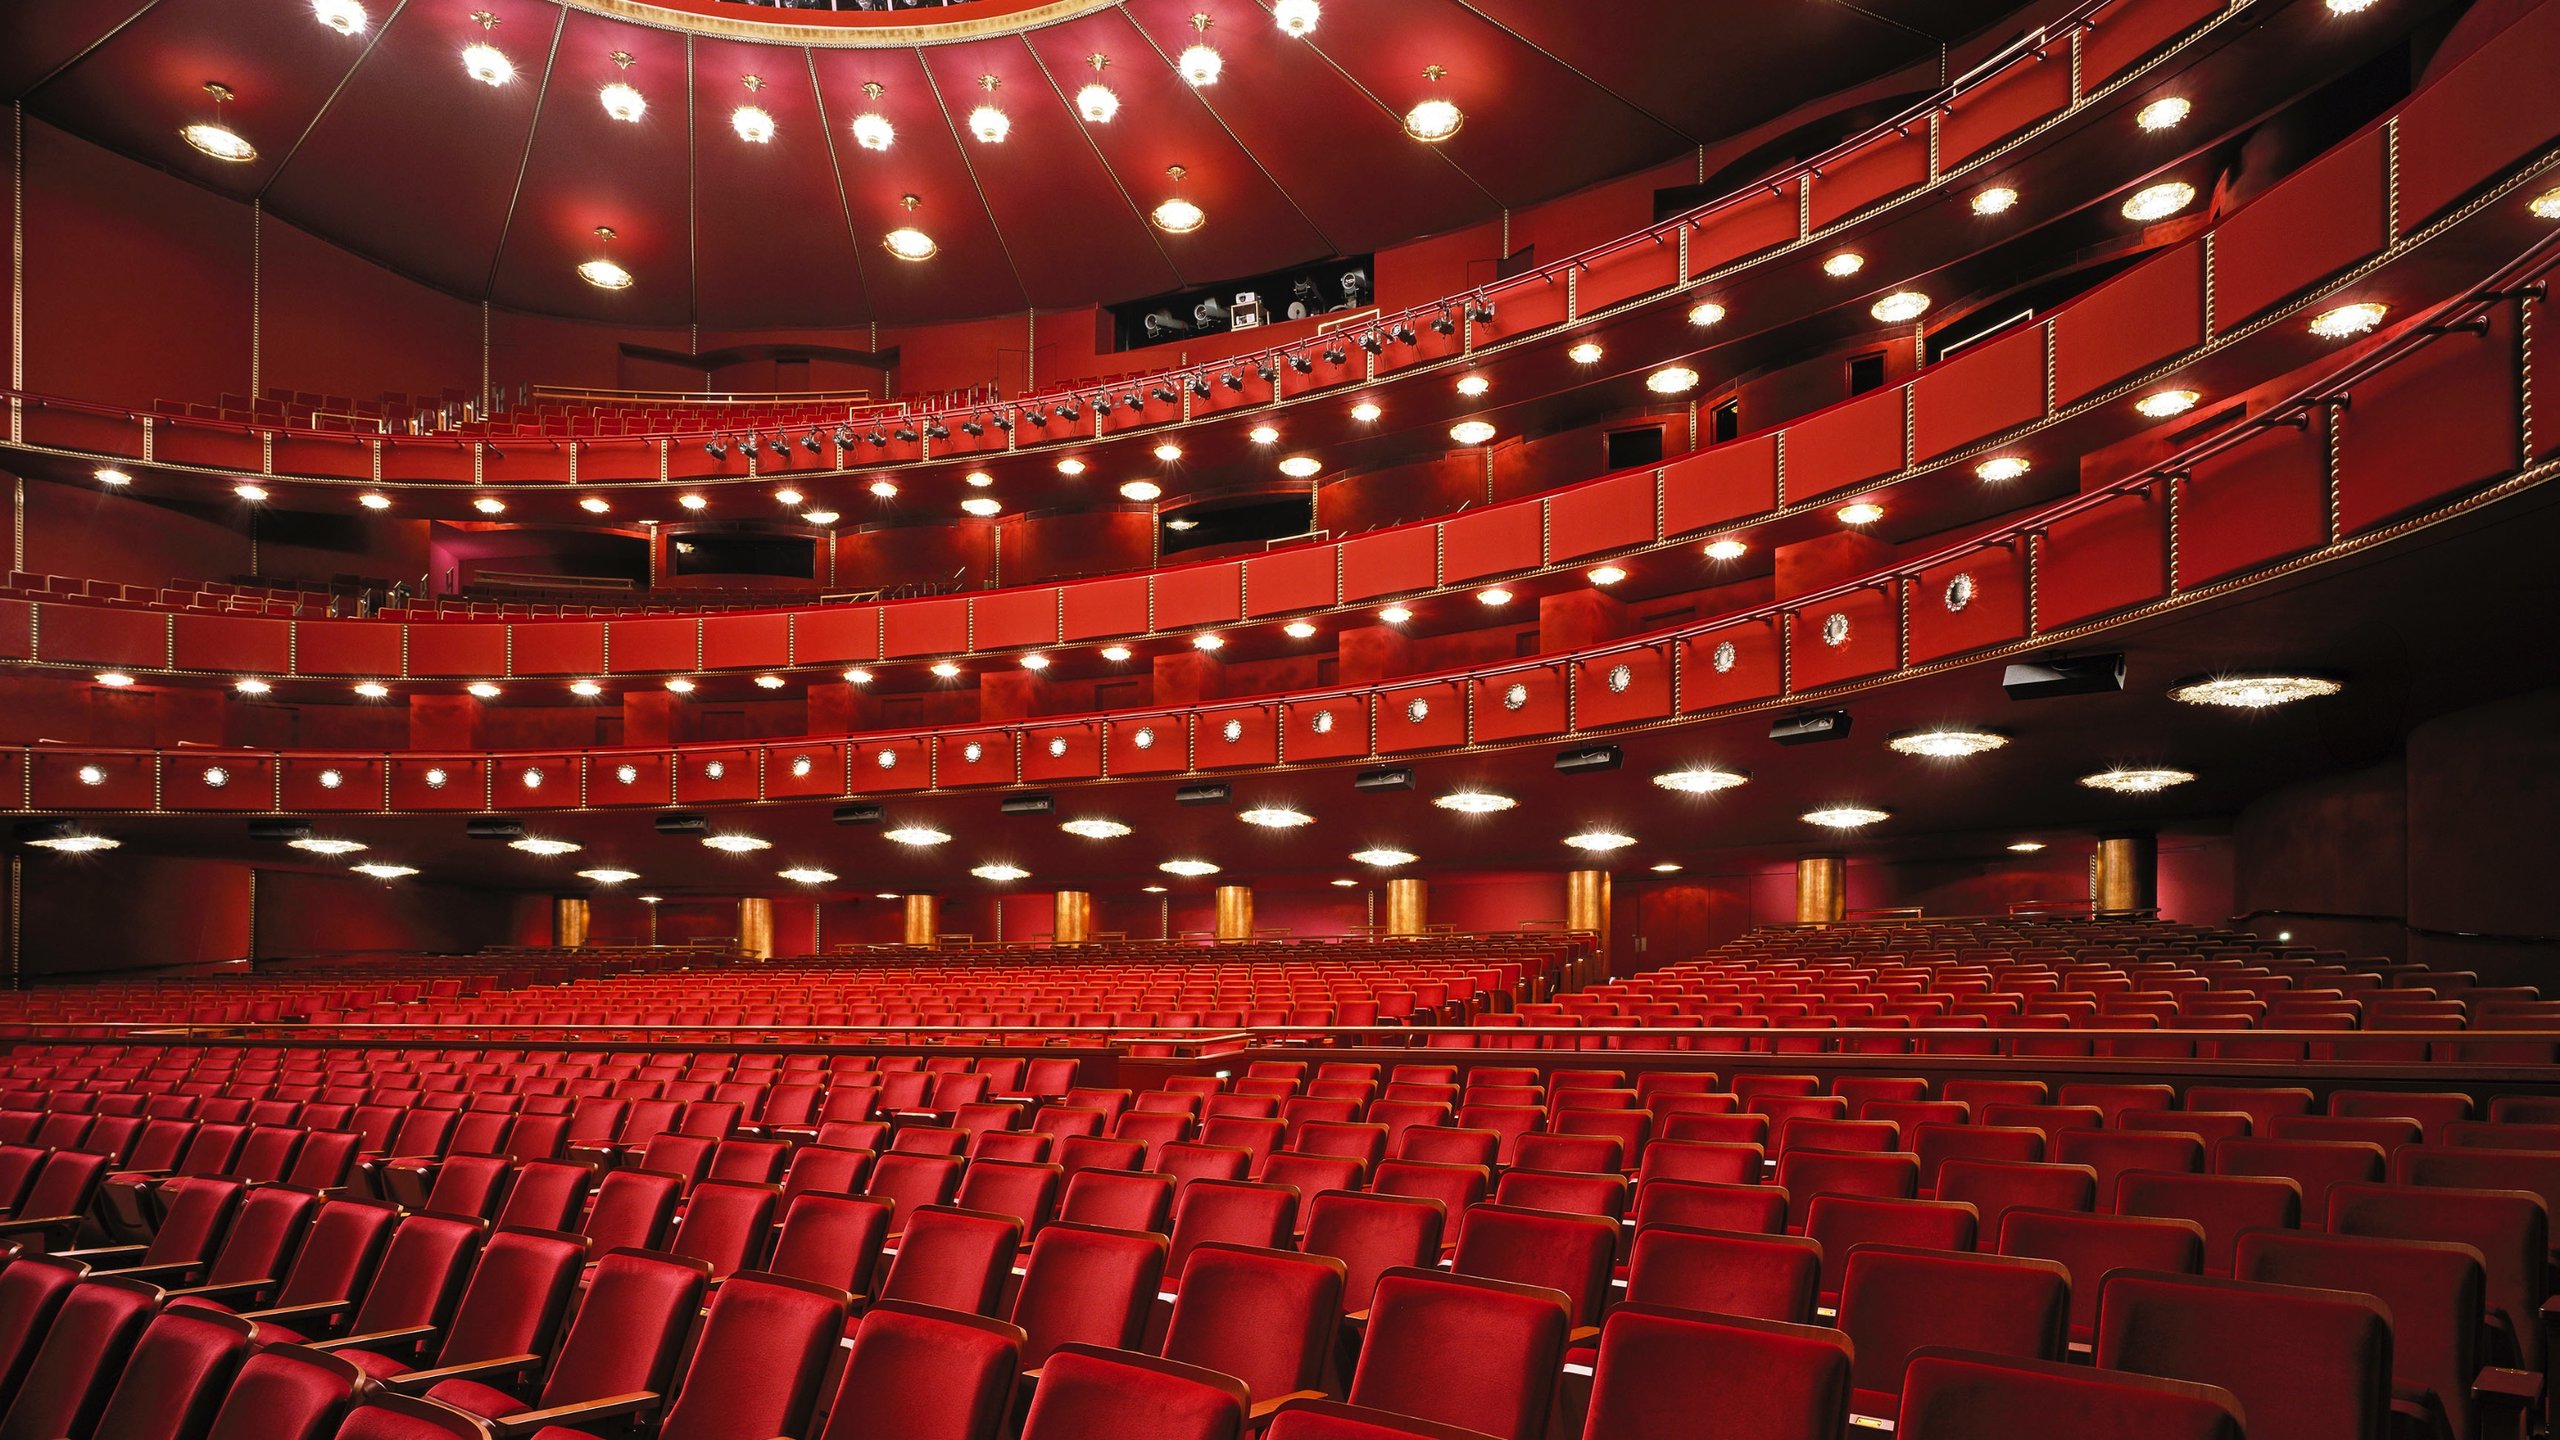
<point x="398" y="1417"/>
<point x="2091" y="1247"/>
<point x="286" y="1392"/>
<point x="1266" y="1317"/>
<point x="1841" y="1223"/>
<point x="1233" y="1212"/>
<point x="31" y="1293"/>
<point x="2304" y="1364"/>
<point x="1329" y="1420"/>
<point x="630" y="1328"/>
<point x="2315" y="1165"/>
<point x="1894" y="1302"/>
<point x="832" y="1240"/>
<point x="917" y="1373"/>
<point x="755" y="1374"/>
<point x="513" y="1304"/>
<point x="1950" y="1394"/>
<point x="1670" y="1375"/>
<point x="1462" y="1351"/>
<point x="1761" y="1277"/>
<point x="1090" y="1393"/>
<point x="1571" y="1254"/>
<point x="1372" y="1234"/>
<point x="726" y="1225"/>
<point x="420" y="1275"/>
<point x="953" y="1259"/>
<point x="1119" y="1199"/>
<point x="1993" y="1188"/>
<point x="2509" y="1229"/>
<point x="67" y="1382"/>
<point x="1086" y="1285"/>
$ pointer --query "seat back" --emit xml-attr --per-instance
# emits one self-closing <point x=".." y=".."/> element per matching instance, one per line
<point x="2304" y="1364"/>
<point x="200" y="1211"/>
<point x="546" y="1195"/>
<point x="1995" y="1187"/>
<point x="1894" y="1301"/>
<point x="917" y="1373"/>
<point x="765" y="1346"/>
<point x="1840" y="1223"/>
<point x="1957" y="1395"/>
<point x="726" y="1224"/>
<point x="66" y="1385"/>
<point x="1088" y="1392"/>
<point x="264" y="1233"/>
<point x="1429" y="1330"/>
<point x="517" y="1294"/>
<point x="912" y="1181"/>
<point x="953" y="1259"/>
<point x="31" y="1294"/>
<point x="176" y="1377"/>
<point x="1267" y="1317"/>
<point x="421" y="1274"/>
<point x="1715" y="1272"/>
<point x="1233" y="1212"/>
<point x="2224" y="1205"/>
<point x="1119" y="1199"/>
<point x="1571" y="1254"/>
<point x="286" y="1392"/>
<point x="630" y="1329"/>
<point x="633" y="1210"/>
<point x="1025" y="1190"/>
<point x="1804" y="1174"/>
<point x="2315" y="1165"/>
<point x="383" y="1416"/>
<point x="2432" y="1289"/>
<point x="469" y="1185"/>
<point x="1370" y="1235"/>
<point x="1661" y="1370"/>
<point x="831" y="1239"/>
<point x="1088" y="1285"/>
<point x="2509" y="1229"/>
<point x="2091" y="1247"/>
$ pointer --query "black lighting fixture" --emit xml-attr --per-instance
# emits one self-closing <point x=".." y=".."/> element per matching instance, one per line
<point x="1038" y="415"/>
<point x="844" y="438"/>
<point x="906" y="434"/>
<point x="1302" y="364"/>
<point x="1069" y="411"/>
<point x="936" y="430"/>
<point x="280" y="830"/>
<point x="1268" y="371"/>
<point x="1004" y="423"/>
<point x="1587" y="759"/>
<point x="1480" y="310"/>
<point x="680" y="823"/>
<point x="1166" y="393"/>
<point x="779" y="446"/>
<point x="1040" y="804"/>
<point x="1132" y="401"/>
<point x="858" y="815"/>
<point x="1445" y="323"/>
<point x="747" y="444"/>
<point x="493" y="828"/>
<point x="717" y="447"/>
<point x="1335" y="354"/>
<point x="1102" y="404"/>
<point x="1391" y="777"/>
<point x="1200" y="386"/>
<point x="2058" y="675"/>
<point x="1212" y="793"/>
<point x="1372" y="342"/>
<point x="879" y="440"/>
<point x="972" y="429"/>
<point x="1403" y="333"/>
<point x="809" y="442"/>
<point x="1813" y="727"/>
<point x="1232" y="380"/>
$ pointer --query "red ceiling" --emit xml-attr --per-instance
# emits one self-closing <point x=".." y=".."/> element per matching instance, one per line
<point x="380" y="141"/>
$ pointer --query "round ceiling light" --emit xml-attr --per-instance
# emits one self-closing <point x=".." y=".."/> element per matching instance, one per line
<point x="679" y="686"/>
<point x="1275" y="817"/>
<point x="385" y="872"/>
<point x="604" y="274"/>
<point x="251" y="493"/>
<point x="1845" y="817"/>
<point x="1493" y="595"/>
<point x="1262" y="435"/>
<point x="753" y="124"/>
<point x="2002" y="467"/>
<point x="1097" y="103"/>
<point x="219" y="141"/>
<point x="1200" y="65"/>
<point x="373" y="690"/>
<point x="1672" y="380"/>
<point x="2255" y="692"/>
<point x="1384" y="858"/>
<point x="1599" y="840"/>
<point x="1366" y="412"/>
<point x="1899" y="306"/>
<point x="2161" y="404"/>
<point x="1472" y="432"/>
<point x="536" y="845"/>
<point x="76" y="844"/>
<point x="2163" y="113"/>
<point x="1208" y="640"/>
<point x="770" y="682"/>
<point x="487" y="64"/>
<point x="1296" y="17"/>
<point x="692" y="502"/>
<point x="885" y="489"/>
<point x="347" y="17"/>
<point x="2159" y="202"/>
<point x="1706" y="312"/>
<point x="857" y="676"/>
<point x="1994" y="200"/>
<point x="1071" y="467"/>
<point x="113" y="679"/>
<point x="1299" y="629"/>
<point x="1605" y="575"/>
<point x="1862" y="512"/>
<point x="109" y="475"/>
<point x="321" y="846"/>
<point x="608" y="875"/>
<point x="979" y="479"/>
<point x="1433" y="121"/>
<point x="482" y="689"/>
<point x="2546" y="206"/>
<point x="2026" y="847"/>
<point x="1140" y="490"/>
<point x="944" y="669"/>
<point x="1586" y="353"/>
<point x="908" y="243"/>
<point x="251" y="686"/>
<point x="1035" y="661"/>
<point x="1474" y="802"/>
<point x="1301" y="467"/>
<point x="874" y="132"/>
<point x="1844" y="264"/>
<point x="585" y="689"/>
<point x="736" y="844"/>
<point x="623" y="102"/>
<point x="804" y="875"/>
<point x="595" y="505"/>
<point x="998" y="870"/>
<point x="489" y="505"/>
<point x="1946" y="743"/>
<point x="1727" y="548"/>
<point x="982" y="506"/>
<point x="1168" y="452"/>
<point x="1095" y="829"/>
<point x="916" y="835"/>
<point x="1177" y="216"/>
<point x="1193" y="868"/>
<point x="2136" y="782"/>
<point x="374" y="502"/>
<point x="1395" y="614"/>
<point x="2347" y="321"/>
<point x="821" y="517"/>
<point x="990" y="124"/>
<point x="1473" y="386"/>
<point x="1666" y="867"/>
<point x="1702" y="780"/>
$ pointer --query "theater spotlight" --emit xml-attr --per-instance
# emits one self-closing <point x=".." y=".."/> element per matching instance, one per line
<point x="1268" y="371"/>
<point x="810" y="442"/>
<point x="1445" y="323"/>
<point x="878" y="440"/>
<point x="844" y="438"/>
<point x="1372" y="343"/>
<point x="1403" y="333"/>
<point x="1167" y="394"/>
<point x="1200" y="386"/>
<point x="1038" y="415"/>
<point x="1480" y="310"/>
<point x="906" y="434"/>
<point x="858" y="815"/>
<point x="1335" y="354"/>
<point x="1302" y="364"/>
<point x="1810" y="729"/>
<point x="936" y="430"/>
<point x="972" y="429"/>
<point x="717" y="447"/>
<point x="1232" y="380"/>
<point x="1588" y="759"/>
<point x="1004" y="423"/>
<point x="779" y="446"/>
<point x="1393" y="777"/>
<point x="1132" y="401"/>
<point x="1069" y="411"/>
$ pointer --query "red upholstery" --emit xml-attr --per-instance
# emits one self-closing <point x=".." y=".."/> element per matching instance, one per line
<point x="638" y="1310"/>
<point x="764" y="1349"/>
<point x="1959" y="1395"/>
<point x="1760" y="1209"/>
<point x="1667" y="1375"/>
<point x="1895" y="1301"/>
<point x="1840" y="1223"/>
<point x="2432" y="1290"/>
<point x="513" y="1305"/>
<point x="1266" y="1317"/>
<point x="1120" y="1199"/>
<point x="1370" y="1235"/>
<point x="1993" y="1188"/>
<point x="31" y="1293"/>
<point x="1232" y="1212"/>
<point x="2091" y="1247"/>
<point x="833" y="1240"/>
<point x="2304" y="1364"/>
<point x="1571" y="1254"/>
<point x="1760" y="1277"/>
<point x="916" y="1373"/>
<point x="176" y="1376"/>
<point x="1462" y="1351"/>
<point x="1090" y="1393"/>
<point x="66" y="1384"/>
<point x="1327" y="1420"/>
<point x="2508" y="1229"/>
<point x="286" y="1392"/>
<point x="1087" y="1285"/>
<point x="953" y="1259"/>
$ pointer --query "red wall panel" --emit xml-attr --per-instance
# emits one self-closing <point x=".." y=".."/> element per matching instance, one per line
<point x="1390" y="562"/>
<point x="232" y="780"/>
<point x="1148" y="745"/>
<point x="1199" y="595"/>
<point x="2431" y="426"/>
<point x="1533" y="303"/>
<point x="2312" y="224"/>
<point x="891" y="765"/>
<point x="1626" y="272"/>
<point x="1095" y="608"/>
<point x="1422" y="717"/>
<point x="568" y="647"/>
<point x="836" y="634"/>
<point x="1713" y="675"/>
<point x="2123" y="34"/>
<point x="1719" y="485"/>
<point x="2259" y="500"/>
<point x="1287" y="580"/>
<point x="1843" y="445"/>
<point x="95" y="635"/>
<point x="804" y="767"/>
<point x="672" y="643"/>
<point x="632" y="777"/>
<point x="2493" y="109"/>
<point x="1063" y="752"/>
<point x="714" y="776"/>
<point x="1491" y="542"/>
<point x="1976" y="599"/>
<point x="123" y="780"/>
<point x="1625" y="686"/>
<point x="17" y="629"/>
<point x="1010" y="618"/>
<point x="1239" y="735"/>
<point x="1744" y="228"/>
<point x="2136" y="320"/>
<point x="1333" y="728"/>
<point x="1516" y="703"/>
<point x="1983" y="391"/>
<point x="1842" y="638"/>
<point x="2105" y="558"/>
<point x="925" y="627"/>
<point x="973" y="757"/>
<point x="2009" y="102"/>
<point x="241" y="644"/>
<point x="476" y="651"/>
<point x="420" y="782"/>
<point x="1881" y="167"/>
<point x="744" y="642"/>
<point x="538" y="782"/>
<point x="1603" y="515"/>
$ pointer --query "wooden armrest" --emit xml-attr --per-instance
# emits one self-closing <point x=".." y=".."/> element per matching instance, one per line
<point x="19" y="1225"/>
<point x="378" y="1339"/>
<point x="1358" y="1319"/>
<point x="103" y="1252"/>
<point x="1582" y="1334"/>
<point x="502" y="1365"/>
<point x="314" y="1310"/>
<point x="145" y="1272"/>
<point x="525" y="1422"/>
<point x="227" y="1288"/>
<point x="2507" y="1384"/>
<point x="1261" y="1412"/>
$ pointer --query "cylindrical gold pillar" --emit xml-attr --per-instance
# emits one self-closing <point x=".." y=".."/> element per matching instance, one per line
<point x="2128" y="874"/>
<point x="755" y="927"/>
<point x="1235" y="912"/>
<point x="924" y="923"/>
<point x="1074" y="920"/>
<point x="1586" y="907"/>
<point x="1822" y="891"/>
<point x="569" y="922"/>
<point x="1407" y="904"/>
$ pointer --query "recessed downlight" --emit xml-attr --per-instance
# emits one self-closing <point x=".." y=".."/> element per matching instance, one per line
<point x="1275" y="817"/>
<point x="1384" y="858"/>
<point x="1599" y="841"/>
<point x="1474" y="802"/>
<point x="1845" y="817"/>
<point x="1702" y="779"/>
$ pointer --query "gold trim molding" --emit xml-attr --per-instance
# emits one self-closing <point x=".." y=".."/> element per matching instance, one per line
<point x="843" y="29"/>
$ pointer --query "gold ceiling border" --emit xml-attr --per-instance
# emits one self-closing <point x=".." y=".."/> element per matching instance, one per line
<point x="1004" y="20"/>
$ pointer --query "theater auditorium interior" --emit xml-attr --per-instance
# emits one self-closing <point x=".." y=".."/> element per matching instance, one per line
<point x="1280" y="720"/>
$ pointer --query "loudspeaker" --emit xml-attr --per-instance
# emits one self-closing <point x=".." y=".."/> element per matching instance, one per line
<point x="494" y="829"/>
<point x="2064" y="675"/>
<point x="1028" y="805"/>
<point x="684" y="824"/>
<point x="280" y="829"/>
<point x="858" y="815"/>
<point x="1392" y="777"/>
<point x="1589" y="758"/>
<point x="1810" y="729"/>
<point x="1215" y="794"/>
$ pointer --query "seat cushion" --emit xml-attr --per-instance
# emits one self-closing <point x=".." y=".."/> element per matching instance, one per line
<point x="486" y="1401"/>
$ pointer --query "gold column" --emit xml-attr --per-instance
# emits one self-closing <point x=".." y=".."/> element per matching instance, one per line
<point x="1074" y="919"/>
<point x="569" y="922"/>
<point x="1407" y="902"/>
<point x="1235" y="912"/>
<point x="755" y="927"/>
<point x="2128" y="873"/>
<point x="1822" y="891"/>
<point x="923" y="920"/>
